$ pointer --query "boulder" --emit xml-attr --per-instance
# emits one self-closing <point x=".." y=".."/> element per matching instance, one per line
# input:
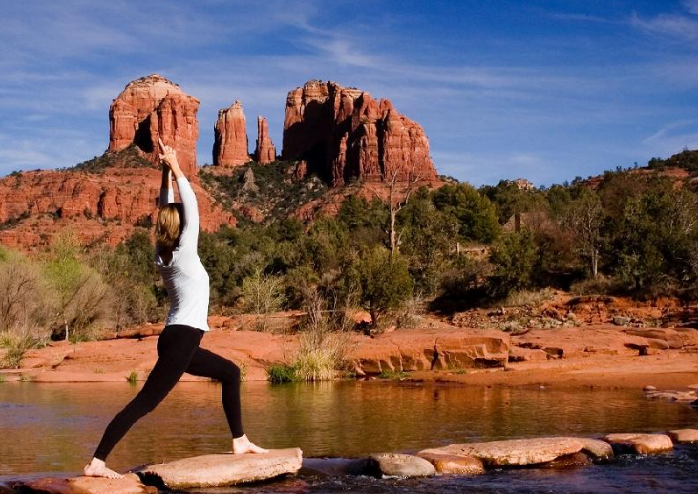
<point x="343" y="134"/>
<point x="224" y="469"/>
<point x="640" y="443"/>
<point x="684" y="435"/>
<point x="400" y="465"/>
<point x="671" y="395"/>
<point x="130" y="484"/>
<point x="265" y="152"/>
<point x="230" y="137"/>
<point x="596" y="448"/>
<point x="446" y="463"/>
<point x="405" y="351"/>
<point x="514" y="452"/>
<point x="152" y="107"/>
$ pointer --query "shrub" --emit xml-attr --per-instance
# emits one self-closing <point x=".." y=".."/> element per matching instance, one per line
<point x="385" y="282"/>
<point x="281" y="373"/>
<point x="520" y="298"/>
<point x="321" y="355"/>
<point x="514" y="259"/>
<point x="262" y="295"/>
<point x="80" y="294"/>
<point x="132" y="378"/>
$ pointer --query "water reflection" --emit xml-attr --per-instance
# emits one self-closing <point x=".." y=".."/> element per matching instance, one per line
<point x="54" y="427"/>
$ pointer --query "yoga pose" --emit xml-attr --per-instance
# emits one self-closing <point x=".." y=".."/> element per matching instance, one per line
<point x="186" y="281"/>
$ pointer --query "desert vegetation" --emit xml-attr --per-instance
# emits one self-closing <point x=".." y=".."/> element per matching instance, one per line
<point x="455" y="247"/>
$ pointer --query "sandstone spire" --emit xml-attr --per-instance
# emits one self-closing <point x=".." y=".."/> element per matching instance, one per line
<point x="343" y="133"/>
<point x="230" y="145"/>
<point x="152" y="107"/>
<point x="265" y="151"/>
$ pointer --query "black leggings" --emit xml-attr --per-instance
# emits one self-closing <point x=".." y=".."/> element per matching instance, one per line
<point x="178" y="352"/>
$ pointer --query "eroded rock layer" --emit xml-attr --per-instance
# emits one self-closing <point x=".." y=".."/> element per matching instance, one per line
<point x="103" y="206"/>
<point x="152" y="107"/>
<point x="344" y="133"/>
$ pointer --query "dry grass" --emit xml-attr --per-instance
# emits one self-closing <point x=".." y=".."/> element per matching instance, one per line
<point x="528" y="297"/>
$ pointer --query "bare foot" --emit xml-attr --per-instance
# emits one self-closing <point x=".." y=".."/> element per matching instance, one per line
<point x="97" y="468"/>
<point x="242" y="445"/>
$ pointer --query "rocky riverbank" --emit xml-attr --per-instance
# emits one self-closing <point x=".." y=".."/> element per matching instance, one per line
<point x="604" y="355"/>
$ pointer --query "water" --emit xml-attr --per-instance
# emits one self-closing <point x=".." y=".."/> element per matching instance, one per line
<point x="53" y="428"/>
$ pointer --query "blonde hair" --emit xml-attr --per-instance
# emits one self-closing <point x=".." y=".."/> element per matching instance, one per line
<point x="168" y="226"/>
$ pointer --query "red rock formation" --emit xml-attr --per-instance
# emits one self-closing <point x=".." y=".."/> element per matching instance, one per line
<point x="98" y="207"/>
<point x="265" y="151"/>
<point x="230" y="145"/>
<point x="344" y="133"/>
<point x="150" y="108"/>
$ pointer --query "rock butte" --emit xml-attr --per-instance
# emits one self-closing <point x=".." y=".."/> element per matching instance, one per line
<point x="152" y="107"/>
<point x="230" y="137"/>
<point x="344" y="134"/>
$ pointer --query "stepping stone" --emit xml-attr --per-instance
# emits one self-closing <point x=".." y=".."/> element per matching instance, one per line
<point x="130" y="484"/>
<point x="515" y="452"/>
<point x="684" y="435"/>
<point x="574" y="460"/>
<point x="640" y="443"/>
<point x="447" y="463"/>
<point x="224" y="469"/>
<point x="596" y="448"/>
<point x="400" y="465"/>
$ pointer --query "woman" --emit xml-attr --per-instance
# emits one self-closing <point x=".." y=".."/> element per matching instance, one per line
<point x="186" y="280"/>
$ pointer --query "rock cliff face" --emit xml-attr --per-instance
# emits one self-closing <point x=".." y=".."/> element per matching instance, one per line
<point x="265" y="151"/>
<point x="98" y="207"/>
<point x="230" y="144"/>
<point x="344" y="133"/>
<point x="152" y="107"/>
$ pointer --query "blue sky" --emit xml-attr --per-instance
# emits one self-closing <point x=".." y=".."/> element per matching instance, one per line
<point x="546" y="90"/>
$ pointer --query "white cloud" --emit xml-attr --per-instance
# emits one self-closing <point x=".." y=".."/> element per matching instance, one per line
<point x="691" y="6"/>
<point x="668" y="25"/>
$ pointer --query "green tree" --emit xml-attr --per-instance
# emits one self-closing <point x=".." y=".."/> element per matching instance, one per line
<point x="514" y="258"/>
<point x="475" y="213"/>
<point x="384" y="280"/>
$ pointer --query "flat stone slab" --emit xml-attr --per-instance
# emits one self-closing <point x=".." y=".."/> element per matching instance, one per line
<point x="671" y="395"/>
<point x="447" y="463"/>
<point x="684" y="435"/>
<point x="130" y="484"/>
<point x="515" y="452"/>
<point x="400" y="465"/>
<point x="597" y="448"/>
<point x="640" y="443"/>
<point x="225" y="469"/>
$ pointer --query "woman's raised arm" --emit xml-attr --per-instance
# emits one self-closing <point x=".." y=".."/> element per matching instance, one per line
<point x="189" y="237"/>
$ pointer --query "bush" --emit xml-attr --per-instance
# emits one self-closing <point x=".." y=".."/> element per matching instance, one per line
<point x="384" y="280"/>
<point x="520" y="298"/>
<point x="281" y="373"/>
<point x="263" y="295"/>
<point x="514" y="259"/>
<point x="321" y="355"/>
